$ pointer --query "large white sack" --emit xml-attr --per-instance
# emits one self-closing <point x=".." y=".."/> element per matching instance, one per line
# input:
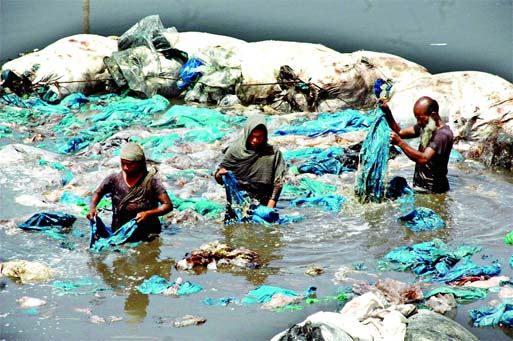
<point x="197" y="44"/>
<point x="474" y="104"/>
<point x="26" y="271"/>
<point x="349" y="76"/>
<point x="390" y="67"/>
<point x="70" y="61"/>
<point x="335" y="327"/>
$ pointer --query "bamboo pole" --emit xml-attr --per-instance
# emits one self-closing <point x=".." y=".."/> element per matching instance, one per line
<point x="85" y="17"/>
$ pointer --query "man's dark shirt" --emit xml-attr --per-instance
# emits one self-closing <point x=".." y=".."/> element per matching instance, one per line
<point x="432" y="176"/>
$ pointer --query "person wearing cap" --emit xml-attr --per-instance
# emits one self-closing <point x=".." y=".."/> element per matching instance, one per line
<point x="258" y="166"/>
<point x="136" y="193"/>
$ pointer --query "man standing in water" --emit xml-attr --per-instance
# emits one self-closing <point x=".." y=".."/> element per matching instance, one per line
<point x="436" y="139"/>
<point x="258" y="166"/>
<point x="136" y="194"/>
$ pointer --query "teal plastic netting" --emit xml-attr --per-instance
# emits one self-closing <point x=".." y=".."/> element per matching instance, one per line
<point x="431" y="258"/>
<point x="84" y="286"/>
<point x="110" y="114"/>
<point x="261" y="294"/>
<point x="158" y="285"/>
<point x="102" y="238"/>
<point x="493" y="316"/>
<point x="55" y="225"/>
<point x="307" y="187"/>
<point x="245" y="210"/>
<point x="313" y="193"/>
<point x="202" y="206"/>
<point x="422" y="219"/>
<point x="182" y="116"/>
<point x="461" y="294"/>
<point x="370" y="182"/>
<point x="328" y="202"/>
<point x="335" y="123"/>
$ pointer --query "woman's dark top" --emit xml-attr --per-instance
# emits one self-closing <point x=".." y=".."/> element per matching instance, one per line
<point x="122" y="212"/>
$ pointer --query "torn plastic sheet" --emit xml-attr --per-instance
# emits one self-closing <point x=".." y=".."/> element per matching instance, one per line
<point x="158" y="285"/>
<point x="246" y="211"/>
<point x="102" y="237"/>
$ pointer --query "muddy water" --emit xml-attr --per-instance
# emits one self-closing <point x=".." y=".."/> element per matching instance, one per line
<point x="477" y="210"/>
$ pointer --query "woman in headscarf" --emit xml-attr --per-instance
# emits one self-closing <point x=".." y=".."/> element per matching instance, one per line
<point x="136" y="193"/>
<point x="258" y="166"/>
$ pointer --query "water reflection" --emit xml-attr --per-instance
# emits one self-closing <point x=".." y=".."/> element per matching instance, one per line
<point x="125" y="271"/>
<point x="264" y="240"/>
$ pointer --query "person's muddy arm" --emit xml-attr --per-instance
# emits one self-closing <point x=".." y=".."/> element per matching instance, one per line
<point x="392" y="123"/>
<point x="165" y="207"/>
<point x="219" y="175"/>
<point x="275" y="196"/>
<point x="95" y="199"/>
<point x="412" y="153"/>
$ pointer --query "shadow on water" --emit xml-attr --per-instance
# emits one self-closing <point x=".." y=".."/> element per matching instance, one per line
<point x="125" y="271"/>
<point x="264" y="240"/>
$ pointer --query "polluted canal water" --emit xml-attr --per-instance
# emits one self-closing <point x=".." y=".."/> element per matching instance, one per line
<point x="89" y="295"/>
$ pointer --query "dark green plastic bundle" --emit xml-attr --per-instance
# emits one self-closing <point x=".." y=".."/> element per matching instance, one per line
<point x="508" y="239"/>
